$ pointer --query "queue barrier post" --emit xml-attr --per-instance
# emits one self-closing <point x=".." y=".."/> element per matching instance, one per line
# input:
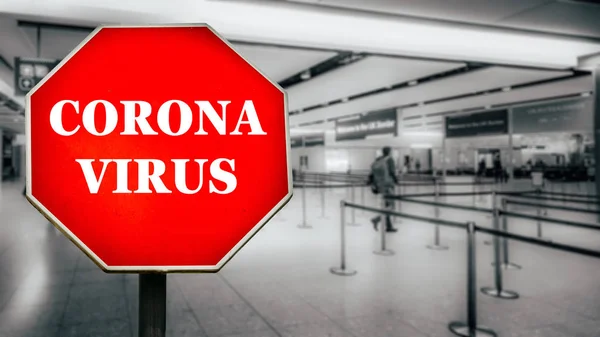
<point x="304" y="225"/>
<point x="506" y="264"/>
<point x="474" y="191"/>
<point x="436" y="234"/>
<point x="342" y="270"/>
<point x="323" y="200"/>
<point x="470" y="328"/>
<point x="362" y="195"/>
<point x="353" y="211"/>
<point x="539" y="225"/>
<point x="382" y="229"/>
<point x="498" y="291"/>
<point x="493" y="196"/>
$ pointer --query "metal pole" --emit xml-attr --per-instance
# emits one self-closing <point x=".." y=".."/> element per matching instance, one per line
<point x="353" y="194"/>
<point x="362" y="195"/>
<point x="471" y="329"/>
<point x="539" y="224"/>
<point x="506" y="264"/>
<point x="152" y="305"/>
<point x="352" y="211"/>
<point x="494" y="202"/>
<point x="436" y="234"/>
<point x="473" y="190"/>
<point x="471" y="280"/>
<point x="342" y="269"/>
<point x="322" y="200"/>
<point x="382" y="229"/>
<point x="303" y="224"/>
<point x="497" y="290"/>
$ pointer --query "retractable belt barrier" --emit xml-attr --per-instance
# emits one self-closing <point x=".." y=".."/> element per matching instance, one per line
<point x="549" y="206"/>
<point x="540" y="197"/>
<point x="322" y="187"/>
<point x="470" y="328"/>
<point x="572" y="195"/>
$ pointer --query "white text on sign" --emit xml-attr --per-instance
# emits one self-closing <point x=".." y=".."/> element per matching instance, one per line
<point x="151" y="170"/>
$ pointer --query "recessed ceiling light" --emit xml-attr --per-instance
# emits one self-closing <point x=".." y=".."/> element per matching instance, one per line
<point x="305" y="75"/>
<point x="585" y="94"/>
<point x="411" y="83"/>
<point x="422" y="104"/>
<point x="505" y="89"/>
<point x="345" y="99"/>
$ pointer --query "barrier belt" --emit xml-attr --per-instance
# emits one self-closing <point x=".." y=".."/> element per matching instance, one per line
<point x="408" y="216"/>
<point x="564" y="208"/>
<point x="559" y="246"/>
<point x="557" y="199"/>
<point x="550" y="220"/>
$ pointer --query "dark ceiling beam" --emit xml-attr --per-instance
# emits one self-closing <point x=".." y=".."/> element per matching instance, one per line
<point x="45" y="25"/>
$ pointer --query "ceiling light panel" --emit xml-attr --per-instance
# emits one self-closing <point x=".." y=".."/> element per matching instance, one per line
<point x="368" y="74"/>
<point x="280" y="63"/>
<point x="477" y="80"/>
<point x="543" y="91"/>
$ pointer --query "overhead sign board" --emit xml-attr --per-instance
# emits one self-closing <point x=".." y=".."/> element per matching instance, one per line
<point x="297" y="141"/>
<point x="29" y="72"/>
<point x="374" y="123"/>
<point x="485" y="123"/>
<point x="314" y="139"/>
<point x="160" y="175"/>
<point x="559" y="116"/>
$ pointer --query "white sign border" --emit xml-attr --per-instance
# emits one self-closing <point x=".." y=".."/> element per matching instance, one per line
<point x="152" y="269"/>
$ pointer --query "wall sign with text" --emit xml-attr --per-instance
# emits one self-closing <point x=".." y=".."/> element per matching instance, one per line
<point x="296" y="141"/>
<point x="560" y="116"/>
<point x="373" y="123"/>
<point x="316" y="139"/>
<point x="493" y="122"/>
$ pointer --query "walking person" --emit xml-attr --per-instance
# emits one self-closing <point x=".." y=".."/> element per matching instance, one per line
<point x="383" y="180"/>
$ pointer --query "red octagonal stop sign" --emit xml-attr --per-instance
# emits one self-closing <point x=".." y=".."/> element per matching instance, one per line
<point x="157" y="148"/>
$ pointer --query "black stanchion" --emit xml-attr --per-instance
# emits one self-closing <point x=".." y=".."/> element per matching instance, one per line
<point x="341" y="270"/>
<point x="471" y="329"/>
<point x="506" y="264"/>
<point x="152" y="305"/>
<point x="362" y="196"/>
<point x="436" y="234"/>
<point x="353" y="211"/>
<point x="382" y="229"/>
<point x="494" y="203"/>
<point x="498" y="290"/>
<point x="539" y="225"/>
<point x="323" y="216"/>
<point x="304" y="225"/>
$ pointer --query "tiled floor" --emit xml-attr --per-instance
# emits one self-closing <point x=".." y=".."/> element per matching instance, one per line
<point x="280" y="284"/>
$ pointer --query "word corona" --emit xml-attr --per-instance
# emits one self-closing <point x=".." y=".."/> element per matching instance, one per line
<point x="131" y="120"/>
<point x="149" y="171"/>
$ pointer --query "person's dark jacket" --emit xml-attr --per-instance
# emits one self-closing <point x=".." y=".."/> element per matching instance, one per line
<point x="391" y="169"/>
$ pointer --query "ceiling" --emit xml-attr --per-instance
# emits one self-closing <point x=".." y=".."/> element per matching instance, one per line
<point x="578" y="18"/>
<point x="419" y="86"/>
<point x="479" y="80"/>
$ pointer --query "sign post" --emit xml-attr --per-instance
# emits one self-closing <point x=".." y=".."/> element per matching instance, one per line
<point x="156" y="172"/>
